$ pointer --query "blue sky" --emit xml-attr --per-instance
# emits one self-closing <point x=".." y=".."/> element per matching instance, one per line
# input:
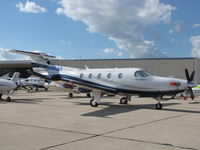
<point x="90" y="29"/>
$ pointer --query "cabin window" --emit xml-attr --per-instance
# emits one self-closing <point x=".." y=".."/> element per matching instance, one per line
<point x="99" y="75"/>
<point x="90" y="76"/>
<point x="109" y="75"/>
<point x="81" y="75"/>
<point x="120" y="75"/>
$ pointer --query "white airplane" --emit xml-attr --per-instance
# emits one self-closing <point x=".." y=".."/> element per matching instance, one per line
<point x="6" y="86"/>
<point x="113" y="81"/>
<point x="31" y="83"/>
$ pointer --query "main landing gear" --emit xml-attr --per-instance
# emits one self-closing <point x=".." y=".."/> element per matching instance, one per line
<point x="96" y="99"/>
<point x="94" y="102"/>
<point x="125" y="99"/>
<point x="8" y="99"/>
<point x="70" y="95"/>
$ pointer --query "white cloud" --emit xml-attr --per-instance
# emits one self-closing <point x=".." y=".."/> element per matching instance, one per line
<point x="195" y="40"/>
<point x="119" y="54"/>
<point x="122" y="21"/>
<point x="197" y="25"/>
<point x="176" y="28"/>
<point x="30" y="7"/>
<point x="110" y="51"/>
<point x="5" y="55"/>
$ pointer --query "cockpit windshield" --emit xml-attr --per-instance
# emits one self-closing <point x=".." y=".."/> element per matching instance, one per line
<point x="142" y="73"/>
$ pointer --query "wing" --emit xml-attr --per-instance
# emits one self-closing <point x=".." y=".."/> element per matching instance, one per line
<point x="16" y="66"/>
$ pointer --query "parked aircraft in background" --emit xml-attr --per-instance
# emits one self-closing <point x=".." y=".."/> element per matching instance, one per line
<point x="31" y="83"/>
<point x="69" y="88"/>
<point x="7" y="86"/>
<point x="113" y="81"/>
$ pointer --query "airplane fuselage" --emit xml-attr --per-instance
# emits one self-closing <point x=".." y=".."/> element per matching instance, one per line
<point x="123" y="81"/>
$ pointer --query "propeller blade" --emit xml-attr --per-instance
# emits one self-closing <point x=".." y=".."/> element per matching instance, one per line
<point x="187" y="75"/>
<point x="191" y="93"/>
<point x="192" y="76"/>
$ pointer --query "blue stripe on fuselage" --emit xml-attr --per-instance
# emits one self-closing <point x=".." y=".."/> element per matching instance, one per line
<point x="113" y="89"/>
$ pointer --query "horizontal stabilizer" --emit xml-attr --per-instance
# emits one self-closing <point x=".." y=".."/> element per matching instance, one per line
<point x="32" y="54"/>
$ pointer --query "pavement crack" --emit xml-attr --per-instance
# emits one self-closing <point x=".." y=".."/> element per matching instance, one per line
<point x="142" y="124"/>
<point x="65" y="143"/>
<point x="47" y="128"/>
<point x="150" y="142"/>
<point x="104" y="134"/>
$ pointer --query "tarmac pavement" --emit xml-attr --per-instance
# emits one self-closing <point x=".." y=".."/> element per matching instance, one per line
<point x="52" y="121"/>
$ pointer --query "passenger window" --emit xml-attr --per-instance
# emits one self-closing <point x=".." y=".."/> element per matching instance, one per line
<point x="90" y="76"/>
<point x="99" y="75"/>
<point x="120" y="75"/>
<point x="109" y="75"/>
<point x="81" y="75"/>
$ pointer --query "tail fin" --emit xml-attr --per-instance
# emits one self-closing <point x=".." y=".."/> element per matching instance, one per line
<point x="15" y="77"/>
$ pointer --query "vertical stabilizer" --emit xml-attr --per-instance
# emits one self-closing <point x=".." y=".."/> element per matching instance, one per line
<point x="15" y="77"/>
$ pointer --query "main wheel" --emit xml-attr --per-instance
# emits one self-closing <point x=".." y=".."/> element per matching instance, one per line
<point x="70" y="95"/>
<point x="93" y="103"/>
<point x="123" y="100"/>
<point x="159" y="106"/>
<point x="8" y="99"/>
<point x="88" y="95"/>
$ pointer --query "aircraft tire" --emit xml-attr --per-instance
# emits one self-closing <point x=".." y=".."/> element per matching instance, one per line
<point x="88" y="95"/>
<point x="158" y="106"/>
<point x="93" y="103"/>
<point x="123" y="100"/>
<point x="8" y="99"/>
<point x="70" y="95"/>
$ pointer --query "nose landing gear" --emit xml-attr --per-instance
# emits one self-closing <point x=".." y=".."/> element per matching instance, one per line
<point x="158" y="105"/>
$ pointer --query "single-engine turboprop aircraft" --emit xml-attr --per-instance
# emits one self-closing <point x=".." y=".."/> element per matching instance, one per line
<point x="113" y="81"/>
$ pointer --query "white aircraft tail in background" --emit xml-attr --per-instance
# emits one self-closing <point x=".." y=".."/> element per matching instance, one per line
<point x="8" y="86"/>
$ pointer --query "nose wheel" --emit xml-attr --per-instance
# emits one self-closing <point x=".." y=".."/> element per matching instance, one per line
<point x="93" y="103"/>
<point x="158" y="106"/>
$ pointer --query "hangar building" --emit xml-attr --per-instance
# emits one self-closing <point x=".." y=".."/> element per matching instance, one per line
<point x="159" y="66"/>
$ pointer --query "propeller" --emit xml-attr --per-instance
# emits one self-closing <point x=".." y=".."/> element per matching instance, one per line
<point x="189" y="80"/>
